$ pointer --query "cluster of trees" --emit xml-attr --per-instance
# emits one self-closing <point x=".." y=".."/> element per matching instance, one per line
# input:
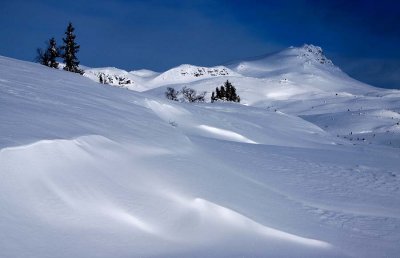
<point x="67" y="52"/>
<point x="226" y="92"/>
<point x="185" y="95"/>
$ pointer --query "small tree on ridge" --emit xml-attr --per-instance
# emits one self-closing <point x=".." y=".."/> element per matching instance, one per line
<point x="53" y="53"/>
<point x="70" y="48"/>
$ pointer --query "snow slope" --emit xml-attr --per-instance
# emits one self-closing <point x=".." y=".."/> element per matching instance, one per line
<point x="89" y="171"/>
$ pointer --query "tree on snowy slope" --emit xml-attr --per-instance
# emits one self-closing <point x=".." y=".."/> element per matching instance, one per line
<point x="226" y="92"/>
<point x="70" y="48"/>
<point x="190" y="95"/>
<point x="53" y="53"/>
<point x="48" y="57"/>
<point x="172" y="94"/>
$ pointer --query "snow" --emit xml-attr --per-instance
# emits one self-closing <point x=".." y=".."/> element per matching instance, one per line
<point x="144" y="73"/>
<point x="91" y="170"/>
<point x="142" y="80"/>
<point x="120" y="78"/>
<point x="188" y="73"/>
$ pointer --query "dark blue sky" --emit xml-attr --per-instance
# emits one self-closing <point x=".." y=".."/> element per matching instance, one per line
<point x="361" y="37"/>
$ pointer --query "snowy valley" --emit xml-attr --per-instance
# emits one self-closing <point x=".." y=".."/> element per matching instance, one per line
<point x="103" y="165"/>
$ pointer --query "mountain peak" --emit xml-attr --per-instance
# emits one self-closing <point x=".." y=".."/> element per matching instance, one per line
<point x="312" y="48"/>
<point x="307" y="58"/>
<point x="313" y="53"/>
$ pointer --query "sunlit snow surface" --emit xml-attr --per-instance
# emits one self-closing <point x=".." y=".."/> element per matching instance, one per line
<point x="90" y="170"/>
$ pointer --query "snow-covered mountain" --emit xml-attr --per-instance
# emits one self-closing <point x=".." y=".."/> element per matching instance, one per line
<point x="142" y="80"/>
<point x="303" y="82"/>
<point x="305" y="57"/>
<point x="134" y="80"/>
<point x="306" y="166"/>
<point x="189" y="73"/>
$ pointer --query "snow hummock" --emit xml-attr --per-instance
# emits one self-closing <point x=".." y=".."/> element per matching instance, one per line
<point x="134" y="80"/>
<point x="91" y="170"/>
<point x="144" y="73"/>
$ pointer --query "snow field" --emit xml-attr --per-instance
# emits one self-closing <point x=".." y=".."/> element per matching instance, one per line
<point x="88" y="170"/>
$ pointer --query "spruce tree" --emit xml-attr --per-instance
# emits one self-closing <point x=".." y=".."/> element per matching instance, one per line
<point x="234" y="96"/>
<point x="226" y="92"/>
<point x="48" y="57"/>
<point x="217" y="93"/>
<point x="223" y="93"/>
<point x="70" y="48"/>
<point x="53" y="53"/>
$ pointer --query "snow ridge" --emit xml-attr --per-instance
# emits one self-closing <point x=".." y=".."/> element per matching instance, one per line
<point x="189" y="73"/>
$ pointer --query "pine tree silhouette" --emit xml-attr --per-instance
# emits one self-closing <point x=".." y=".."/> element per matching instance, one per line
<point x="53" y="53"/>
<point x="223" y="93"/>
<point x="48" y="56"/>
<point x="217" y="93"/>
<point x="226" y="92"/>
<point x="70" y="48"/>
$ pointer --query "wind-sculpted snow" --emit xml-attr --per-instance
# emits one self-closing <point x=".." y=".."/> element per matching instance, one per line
<point x="89" y="170"/>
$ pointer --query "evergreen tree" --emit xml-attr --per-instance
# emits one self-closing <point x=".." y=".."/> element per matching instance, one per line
<point x="223" y="93"/>
<point x="226" y="92"/>
<point x="52" y="52"/>
<point x="234" y="96"/>
<point x="217" y="93"/>
<point x="70" y="48"/>
<point x="48" y="57"/>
